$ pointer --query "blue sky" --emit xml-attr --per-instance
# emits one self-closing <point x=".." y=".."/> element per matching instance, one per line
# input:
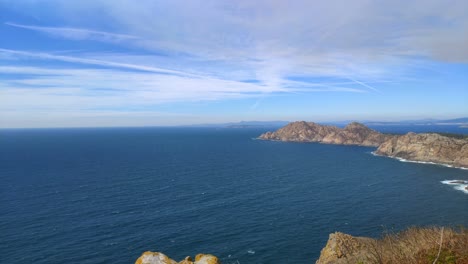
<point x="147" y="63"/>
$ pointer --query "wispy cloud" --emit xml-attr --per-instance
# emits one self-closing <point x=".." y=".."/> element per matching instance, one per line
<point x="77" y="33"/>
<point x="364" y="84"/>
<point x="296" y="48"/>
<point x="47" y="118"/>
<point x="81" y="60"/>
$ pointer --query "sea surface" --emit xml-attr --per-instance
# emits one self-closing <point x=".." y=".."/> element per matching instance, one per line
<point x="101" y="195"/>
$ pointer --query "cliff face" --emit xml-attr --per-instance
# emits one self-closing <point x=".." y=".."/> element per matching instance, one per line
<point x="427" y="147"/>
<point x="415" y="245"/>
<point x="159" y="258"/>
<point x="343" y="248"/>
<point x="352" y="134"/>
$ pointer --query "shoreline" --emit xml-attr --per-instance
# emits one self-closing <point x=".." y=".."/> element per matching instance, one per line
<point x="425" y="148"/>
<point x="459" y="185"/>
<point x="317" y="142"/>
<point x="420" y="162"/>
<point x="372" y="152"/>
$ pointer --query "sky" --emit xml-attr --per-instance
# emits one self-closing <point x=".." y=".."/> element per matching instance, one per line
<point x="93" y="63"/>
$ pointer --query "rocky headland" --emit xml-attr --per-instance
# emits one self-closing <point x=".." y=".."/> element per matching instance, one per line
<point x="415" y="245"/>
<point x="427" y="147"/>
<point x="424" y="147"/>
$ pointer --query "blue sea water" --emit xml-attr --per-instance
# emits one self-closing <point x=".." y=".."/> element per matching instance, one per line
<point x="107" y="195"/>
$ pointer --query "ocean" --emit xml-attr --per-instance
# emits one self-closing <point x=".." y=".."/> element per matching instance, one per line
<point x="105" y="195"/>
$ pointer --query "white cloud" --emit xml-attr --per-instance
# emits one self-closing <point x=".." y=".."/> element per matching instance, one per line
<point x="271" y="40"/>
<point x="74" y="89"/>
<point x="289" y="30"/>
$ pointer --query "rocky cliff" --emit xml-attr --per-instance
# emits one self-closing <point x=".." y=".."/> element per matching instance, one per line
<point x="159" y="258"/>
<point x="343" y="248"/>
<point x="352" y="134"/>
<point x="427" y="147"/>
<point x="415" y="245"/>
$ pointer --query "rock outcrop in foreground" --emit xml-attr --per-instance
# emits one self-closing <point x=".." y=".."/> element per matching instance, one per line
<point x="353" y="134"/>
<point x="343" y="248"/>
<point x="159" y="258"/>
<point x="425" y="147"/>
<point x="415" y="245"/>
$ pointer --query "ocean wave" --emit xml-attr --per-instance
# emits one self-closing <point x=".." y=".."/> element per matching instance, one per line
<point x="421" y="162"/>
<point x="460" y="185"/>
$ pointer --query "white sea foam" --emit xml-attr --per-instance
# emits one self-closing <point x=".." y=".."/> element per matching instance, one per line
<point x="421" y="162"/>
<point x="457" y="184"/>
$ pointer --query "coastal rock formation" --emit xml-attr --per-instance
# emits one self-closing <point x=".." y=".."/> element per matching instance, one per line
<point x="343" y="248"/>
<point x="415" y="245"/>
<point x="159" y="258"/>
<point x="427" y="147"/>
<point x="353" y="134"/>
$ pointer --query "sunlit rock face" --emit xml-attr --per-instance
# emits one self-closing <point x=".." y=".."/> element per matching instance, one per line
<point x="159" y="258"/>
<point x="424" y="147"/>
<point x="414" y="245"/>
<point x="427" y="147"/>
<point x="343" y="248"/>
<point x="353" y="134"/>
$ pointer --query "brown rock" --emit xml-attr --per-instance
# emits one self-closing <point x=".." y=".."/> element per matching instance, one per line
<point x="187" y="260"/>
<point x="427" y="147"/>
<point x="414" y="245"/>
<point x="159" y="258"/>
<point x="206" y="259"/>
<point x="343" y="248"/>
<point x="353" y="134"/>
<point x="154" y="258"/>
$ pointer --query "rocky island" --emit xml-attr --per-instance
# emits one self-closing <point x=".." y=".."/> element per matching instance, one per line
<point x="424" y="147"/>
<point x="353" y="134"/>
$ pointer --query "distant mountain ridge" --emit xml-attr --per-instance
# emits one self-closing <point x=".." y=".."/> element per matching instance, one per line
<point x="456" y="121"/>
<point x="245" y="124"/>
<point x="463" y="121"/>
